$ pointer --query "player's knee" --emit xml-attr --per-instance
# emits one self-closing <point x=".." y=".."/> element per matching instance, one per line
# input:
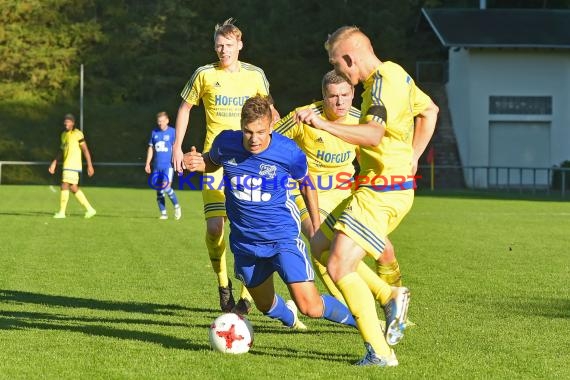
<point x="336" y="268"/>
<point x="215" y="227"/>
<point x="388" y="255"/>
<point x="318" y="244"/>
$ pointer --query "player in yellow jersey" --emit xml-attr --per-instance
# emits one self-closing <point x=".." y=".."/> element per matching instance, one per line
<point x="330" y="159"/>
<point x="397" y="122"/>
<point x="223" y="87"/>
<point x="72" y="145"/>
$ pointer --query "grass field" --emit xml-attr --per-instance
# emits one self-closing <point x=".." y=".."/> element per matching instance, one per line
<point x="124" y="295"/>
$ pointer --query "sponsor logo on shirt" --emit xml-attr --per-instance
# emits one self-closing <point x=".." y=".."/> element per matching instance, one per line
<point x="267" y="171"/>
<point x="222" y="100"/>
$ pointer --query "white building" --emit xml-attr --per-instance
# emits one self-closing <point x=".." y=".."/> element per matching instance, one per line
<point x="508" y="90"/>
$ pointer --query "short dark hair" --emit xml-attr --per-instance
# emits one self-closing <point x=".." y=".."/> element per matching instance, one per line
<point x="255" y="108"/>
<point x="332" y="78"/>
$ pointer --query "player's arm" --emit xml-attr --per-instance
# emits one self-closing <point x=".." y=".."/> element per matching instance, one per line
<point x="309" y="194"/>
<point x="87" y="155"/>
<point x="182" y="119"/>
<point x="368" y="134"/>
<point x="423" y="131"/>
<point x="53" y="165"/>
<point x="149" y="154"/>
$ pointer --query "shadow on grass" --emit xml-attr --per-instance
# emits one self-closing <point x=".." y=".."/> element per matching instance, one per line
<point x="166" y="341"/>
<point x="66" y="318"/>
<point x="534" y="306"/>
<point x="16" y="296"/>
<point x="27" y="213"/>
<point x="301" y="354"/>
<point x="279" y="329"/>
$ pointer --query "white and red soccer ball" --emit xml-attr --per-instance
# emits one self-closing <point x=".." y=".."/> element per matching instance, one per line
<point x="231" y="334"/>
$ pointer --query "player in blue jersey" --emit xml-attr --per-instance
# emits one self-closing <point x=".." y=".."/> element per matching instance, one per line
<point x="160" y="147"/>
<point x="264" y="221"/>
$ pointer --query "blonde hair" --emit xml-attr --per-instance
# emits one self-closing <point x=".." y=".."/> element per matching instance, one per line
<point x="339" y="35"/>
<point x="227" y="29"/>
<point x="162" y="114"/>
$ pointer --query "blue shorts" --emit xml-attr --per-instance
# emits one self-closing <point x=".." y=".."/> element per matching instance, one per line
<point x="289" y="260"/>
<point x="162" y="175"/>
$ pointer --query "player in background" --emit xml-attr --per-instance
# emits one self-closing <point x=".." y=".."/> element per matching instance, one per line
<point x="391" y="142"/>
<point x="72" y="145"/>
<point x="330" y="162"/>
<point x="264" y="221"/>
<point x="160" y="148"/>
<point x="223" y="87"/>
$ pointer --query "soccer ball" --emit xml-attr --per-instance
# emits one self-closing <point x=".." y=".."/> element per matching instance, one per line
<point x="231" y="334"/>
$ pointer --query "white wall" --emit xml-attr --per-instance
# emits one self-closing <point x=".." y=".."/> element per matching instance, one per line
<point x="458" y="99"/>
<point x="477" y="74"/>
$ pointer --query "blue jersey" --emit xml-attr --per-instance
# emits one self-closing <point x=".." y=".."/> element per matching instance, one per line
<point x="162" y="142"/>
<point x="257" y="188"/>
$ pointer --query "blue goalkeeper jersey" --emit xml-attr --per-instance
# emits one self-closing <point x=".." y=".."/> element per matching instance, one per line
<point x="162" y="143"/>
<point x="257" y="188"/>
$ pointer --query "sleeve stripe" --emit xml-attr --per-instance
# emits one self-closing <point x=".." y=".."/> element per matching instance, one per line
<point x="377" y="90"/>
<point x="186" y="91"/>
<point x="354" y="112"/>
<point x="285" y="126"/>
<point x="250" y="67"/>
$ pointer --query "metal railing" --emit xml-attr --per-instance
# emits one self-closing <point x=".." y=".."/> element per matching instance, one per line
<point x="499" y="178"/>
<point x="43" y="174"/>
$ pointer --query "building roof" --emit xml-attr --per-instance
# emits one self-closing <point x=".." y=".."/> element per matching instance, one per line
<point x="501" y="28"/>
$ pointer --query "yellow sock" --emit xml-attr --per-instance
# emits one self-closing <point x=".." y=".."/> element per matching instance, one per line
<point x="390" y="272"/>
<point x="323" y="275"/>
<point x="217" y="252"/>
<point x="63" y="198"/>
<point x="381" y="291"/>
<point x="245" y="294"/>
<point x="363" y="308"/>
<point x="83" y="200"/>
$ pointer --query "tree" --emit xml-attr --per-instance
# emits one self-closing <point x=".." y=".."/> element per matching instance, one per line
<point x="41" y="45"/>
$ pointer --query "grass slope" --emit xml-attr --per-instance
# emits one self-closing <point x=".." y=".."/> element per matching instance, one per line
<point x="124" y="295"/>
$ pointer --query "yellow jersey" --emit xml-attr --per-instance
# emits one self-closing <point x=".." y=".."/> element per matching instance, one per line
<point x="390" y="95"/>
<point x="223" y="94"/>
<point x="71" y="146"/>
<point x="329" y="158"/>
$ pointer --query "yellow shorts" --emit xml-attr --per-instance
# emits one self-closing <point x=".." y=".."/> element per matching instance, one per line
<point x="368" y="216"/>
<point x="213" y="194"/>
<point x="328" y="200"/>
<point x="70" y="176"/>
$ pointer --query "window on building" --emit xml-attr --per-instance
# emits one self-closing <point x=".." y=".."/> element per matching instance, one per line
<point x="520" y="105"/>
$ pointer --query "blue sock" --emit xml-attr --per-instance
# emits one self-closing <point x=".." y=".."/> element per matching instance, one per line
<point x="336" y="311"/>
<point x="160" y="200"/>
<point x="281" y="312"/>
<point x="172" y="196"/>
